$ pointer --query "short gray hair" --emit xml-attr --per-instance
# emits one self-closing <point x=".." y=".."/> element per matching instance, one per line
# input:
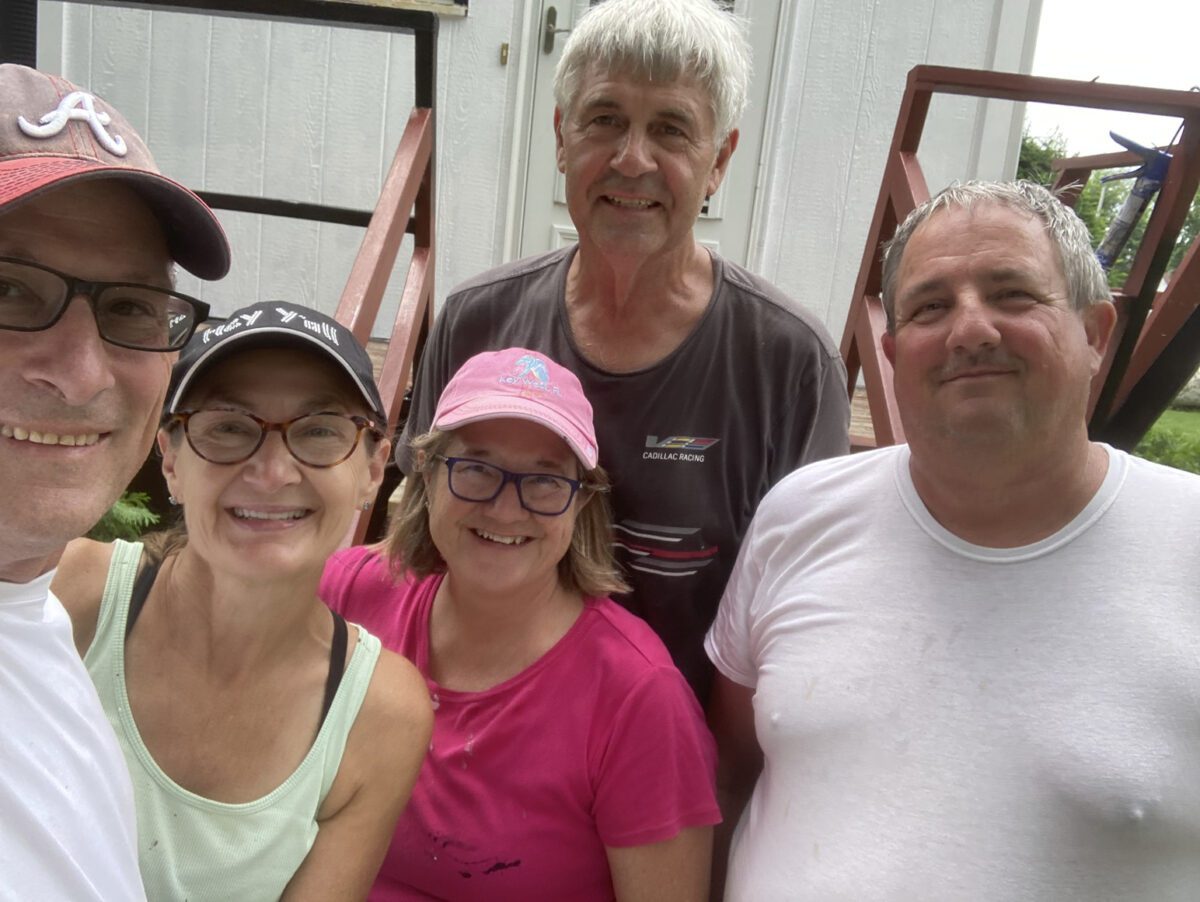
<point x="663" y="41"/>
<point x="1086" y="282"/>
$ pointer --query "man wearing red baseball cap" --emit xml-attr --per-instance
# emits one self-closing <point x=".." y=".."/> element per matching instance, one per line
<point x="89" y="326"/>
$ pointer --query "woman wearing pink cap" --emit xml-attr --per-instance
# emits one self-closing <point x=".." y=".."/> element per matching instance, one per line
<point x="569" y="758"/>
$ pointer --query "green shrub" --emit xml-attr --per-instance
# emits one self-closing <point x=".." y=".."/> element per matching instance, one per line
<point x="127" y="519"/>
<point x="1171" y="446"/>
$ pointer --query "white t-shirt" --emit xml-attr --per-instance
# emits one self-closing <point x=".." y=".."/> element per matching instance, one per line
<point x="943" y="721"/>
<point x="66" y="804"/>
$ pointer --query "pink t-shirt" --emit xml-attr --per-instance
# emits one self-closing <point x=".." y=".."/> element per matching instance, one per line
<point x="598" y="743"/>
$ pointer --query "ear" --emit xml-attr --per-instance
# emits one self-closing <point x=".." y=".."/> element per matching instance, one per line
<point x="722" y="162"/>
<point x="1099" y="320"/>
<point x="167" y="450"/>
<point x="888" y="342"/>
<point x="419" y="471"/>
<point x="559" y="153"/>
<point x="376" y="464"/>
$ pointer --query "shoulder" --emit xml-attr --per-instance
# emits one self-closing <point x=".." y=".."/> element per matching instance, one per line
<point x="386" y="743"/>
<point x="784" y="320"/>
<point x="827" y="491"/>
<point x="627" y="647"/>
<point x="398" y="695"/>
<point x="838" y="475"/>
<point x="360" y="568"/>
<point x="1157" y="484"/>
<point x="355" y="561"/>
<point x="394" y="724"/>
<point x="500" y="277"/>
<point x="81" y="575"/>
<point x="1153" y="475"/>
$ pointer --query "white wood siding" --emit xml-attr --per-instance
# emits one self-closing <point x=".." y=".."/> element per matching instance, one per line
<point x="314" y="114"/>
<point x="843" y="70"/>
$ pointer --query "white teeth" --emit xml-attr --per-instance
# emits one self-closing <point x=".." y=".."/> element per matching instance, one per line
<point x="503" y="540"/>
<point x="245" y="514"/>
<point x="631" y="202"/>
<point x="48" y="438"/>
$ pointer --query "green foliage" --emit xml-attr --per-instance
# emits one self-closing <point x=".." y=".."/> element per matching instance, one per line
<point x="1099" y="203"/>
<point x="127" y="519"/>
<point x="1174" y="440"/>
<point x="1182" y="420"/>
<point x="1036" y="156"/>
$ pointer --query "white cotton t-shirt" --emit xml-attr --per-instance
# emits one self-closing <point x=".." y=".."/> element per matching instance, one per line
<point x="66" y="803"/>
<point x="944" y="721"/>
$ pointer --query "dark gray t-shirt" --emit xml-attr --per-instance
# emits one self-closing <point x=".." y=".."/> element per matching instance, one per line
<point x="692" y="443"/>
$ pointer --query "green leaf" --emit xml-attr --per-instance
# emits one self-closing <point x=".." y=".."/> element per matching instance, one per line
<point x="127" y="519"/>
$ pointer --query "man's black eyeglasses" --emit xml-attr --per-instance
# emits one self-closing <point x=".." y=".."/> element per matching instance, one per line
<point x="142" y="317"/>
<point x="547" y="494"/>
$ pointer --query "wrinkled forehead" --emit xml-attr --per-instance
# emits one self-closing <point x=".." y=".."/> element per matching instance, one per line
<point x="99" y="225"/>
<point x="661" y="74"/>
<point x="292" y="370"/>
<point x="516" y="443"/>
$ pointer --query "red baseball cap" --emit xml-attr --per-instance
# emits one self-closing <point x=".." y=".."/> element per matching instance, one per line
<point x="53" y="133"/>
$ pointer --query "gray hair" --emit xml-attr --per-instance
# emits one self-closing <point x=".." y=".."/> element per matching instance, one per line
<point x="662" y="41"/>
<point x="1086" y="282"/>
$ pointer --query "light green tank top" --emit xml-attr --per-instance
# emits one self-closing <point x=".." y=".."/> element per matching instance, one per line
<point x="194" y="848"/>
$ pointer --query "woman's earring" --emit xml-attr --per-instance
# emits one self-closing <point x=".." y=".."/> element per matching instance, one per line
<point x="174" y="502"/>
<point x="366" y="505"/>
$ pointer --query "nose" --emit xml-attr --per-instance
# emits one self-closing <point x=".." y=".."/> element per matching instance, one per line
<point x="272" y="466"/>
<point x="507" y="505"/>
<point x="972" y="326"/>
<point x="70" y="358"/>
<point x="634" y="155"/>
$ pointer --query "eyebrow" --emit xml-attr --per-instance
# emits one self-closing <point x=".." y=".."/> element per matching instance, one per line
<point x="138" y="276"/>
<point x="545" y="464"/>
<point x="672" y="113"/>
<point x="313" y="403"/>
<point x="992" y="276"/>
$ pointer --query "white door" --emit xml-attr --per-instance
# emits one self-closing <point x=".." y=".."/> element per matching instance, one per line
<point x="725" y="223"/>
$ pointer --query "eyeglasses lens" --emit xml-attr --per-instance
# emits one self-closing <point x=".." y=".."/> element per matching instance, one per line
<point x="137" y="316"/>
<point x="541" y="493"/>
<point x="143" y="317"/>
<point x="227" y="437"/>
<point x="29" y="297"/>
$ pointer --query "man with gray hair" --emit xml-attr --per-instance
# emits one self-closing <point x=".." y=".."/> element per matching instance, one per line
<point x="708" y="384"/>
<point x="89" y="326"/>
<point x="970" y="662"/>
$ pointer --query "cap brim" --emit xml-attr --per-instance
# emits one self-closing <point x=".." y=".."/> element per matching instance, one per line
<point x="498" y="407"/>
<point x="262" y="338"/>
<point x="194" y="235"/>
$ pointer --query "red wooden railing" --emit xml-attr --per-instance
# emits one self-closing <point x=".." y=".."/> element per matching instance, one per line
<point x="408" y="187"/>
<point x="1139" y="346"/>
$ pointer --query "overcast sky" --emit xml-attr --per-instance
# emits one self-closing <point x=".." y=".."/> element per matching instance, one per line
<point x="1145" y="42"/>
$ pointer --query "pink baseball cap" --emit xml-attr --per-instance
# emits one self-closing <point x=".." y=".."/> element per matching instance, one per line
<point x="53" y="133"/>
<point x="517" y="382"/>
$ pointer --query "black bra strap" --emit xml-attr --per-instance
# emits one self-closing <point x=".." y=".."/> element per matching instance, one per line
<point x="141" y="591"/>
<point x="337" y="652"/>
<point x="337" y="662"/>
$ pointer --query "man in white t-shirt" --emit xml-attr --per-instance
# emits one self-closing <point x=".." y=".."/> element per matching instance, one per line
<point x="89" y="323"/>
<point x="969" y="667"/>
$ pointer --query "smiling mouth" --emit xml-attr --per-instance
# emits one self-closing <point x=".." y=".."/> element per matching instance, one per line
<point x="501" y="540"/>
<point x="630" y="203"/>
<point x="242" y="513"/>
<point x="16" y="433"/>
